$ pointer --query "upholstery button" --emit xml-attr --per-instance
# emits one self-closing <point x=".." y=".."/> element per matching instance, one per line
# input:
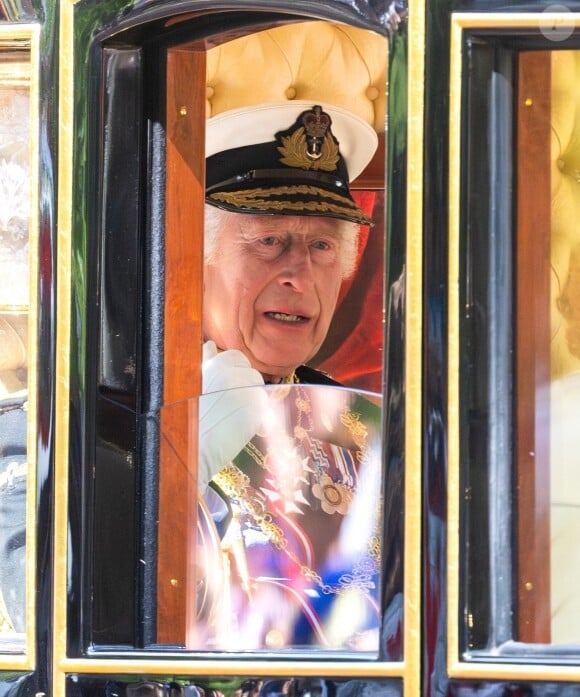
<point x="209" y="92"/>
<point x="372" y="93"/>
<point x="291" y="93"/>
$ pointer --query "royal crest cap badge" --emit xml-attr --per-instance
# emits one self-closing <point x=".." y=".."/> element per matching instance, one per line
<point x="310" y="144"/>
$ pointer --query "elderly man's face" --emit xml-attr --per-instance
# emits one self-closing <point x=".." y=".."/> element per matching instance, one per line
<point x="272" y="288"/>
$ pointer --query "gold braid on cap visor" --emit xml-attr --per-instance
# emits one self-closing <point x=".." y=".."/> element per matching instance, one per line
<point x="259" y="199"/>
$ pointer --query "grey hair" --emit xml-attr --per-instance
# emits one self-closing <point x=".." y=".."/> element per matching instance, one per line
<point x="217" y="221"/>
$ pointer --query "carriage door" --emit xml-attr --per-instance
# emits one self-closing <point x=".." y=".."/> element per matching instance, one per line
<point x="274" y="579"/>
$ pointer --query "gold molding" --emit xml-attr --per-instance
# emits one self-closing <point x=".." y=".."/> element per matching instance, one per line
<point x="63" y="330"/>
<point x="511" y="20"/>
<point x="191" y="666"/>
<point x="19" y="43"/>
<point x="413" y="350"/>
<point x="484" y="667"/>
<point x="453" y="493"/>
<point x="18" y="74"/>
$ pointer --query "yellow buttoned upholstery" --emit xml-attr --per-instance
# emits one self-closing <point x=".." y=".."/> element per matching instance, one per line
<point x="565" y="232"/>
<point x="564" y="390"/>
<point x="333" y="63"/>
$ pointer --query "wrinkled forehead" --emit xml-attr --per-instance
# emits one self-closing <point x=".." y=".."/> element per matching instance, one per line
<point x="281" y="224"/>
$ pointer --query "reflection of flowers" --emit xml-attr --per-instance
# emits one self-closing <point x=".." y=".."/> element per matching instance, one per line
<point x="14" y="191"/>
<point x="14" y="223"/>
<point x="334" y="497"/>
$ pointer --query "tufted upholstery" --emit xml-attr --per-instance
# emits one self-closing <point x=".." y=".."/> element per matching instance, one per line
<point x="332" y="63"/>
<point x="565" y="251"/>
<point x="565" y="346"/>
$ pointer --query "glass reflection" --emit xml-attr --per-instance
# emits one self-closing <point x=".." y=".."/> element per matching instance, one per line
<point x="288" y="547"/>
<point x="256" y="687"/>
<point x="14" y="307"/>
<point x="14" y="194"/>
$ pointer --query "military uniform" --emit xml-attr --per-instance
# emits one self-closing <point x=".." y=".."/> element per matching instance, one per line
<point x="298" y="538"/>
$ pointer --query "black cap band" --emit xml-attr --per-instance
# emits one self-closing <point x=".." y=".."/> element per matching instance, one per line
<point x="301" y="172"/>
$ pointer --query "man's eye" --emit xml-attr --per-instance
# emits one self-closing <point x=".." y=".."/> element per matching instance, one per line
<point x="320" y="244"/>
<point x="269" y="241"/>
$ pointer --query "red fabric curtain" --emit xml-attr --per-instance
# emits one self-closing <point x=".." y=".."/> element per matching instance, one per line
<point x="353" y="350"/>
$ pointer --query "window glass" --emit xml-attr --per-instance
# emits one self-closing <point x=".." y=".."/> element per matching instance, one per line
<point x="285" y="487"/>
<point x="519" y="358"/>
<point x="16" y="316"/>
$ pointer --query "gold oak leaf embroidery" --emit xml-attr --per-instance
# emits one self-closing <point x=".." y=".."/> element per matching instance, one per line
<point x="294" y="152"/>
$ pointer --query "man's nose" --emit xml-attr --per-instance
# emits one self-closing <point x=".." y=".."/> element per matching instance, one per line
<point x="296" y="270"/>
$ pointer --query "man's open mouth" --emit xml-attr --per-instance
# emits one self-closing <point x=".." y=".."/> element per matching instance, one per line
<point x="283" y="317"/>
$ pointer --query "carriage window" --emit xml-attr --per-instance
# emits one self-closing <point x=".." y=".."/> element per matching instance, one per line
<point x="279" y="540"/>
<point x="518" y="353"/>
<point x="17" y="330"/>
<point x="244" y="343"/>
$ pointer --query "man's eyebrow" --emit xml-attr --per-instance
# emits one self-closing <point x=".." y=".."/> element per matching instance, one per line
<point x="250" y="233"/>
<point x="256" y="229"/>
<point x="253" y="229"/>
